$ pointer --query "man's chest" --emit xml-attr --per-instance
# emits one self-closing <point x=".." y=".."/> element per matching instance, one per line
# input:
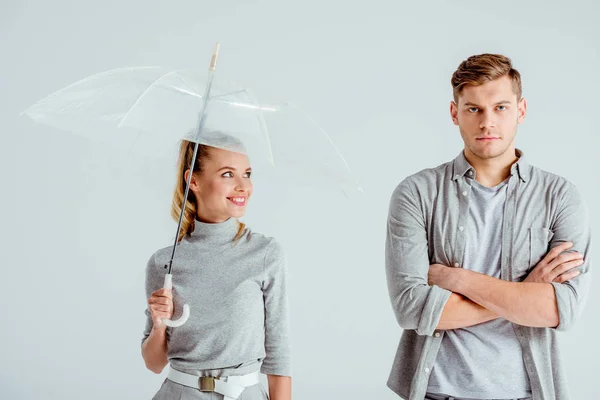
<point x="504" y="237"/>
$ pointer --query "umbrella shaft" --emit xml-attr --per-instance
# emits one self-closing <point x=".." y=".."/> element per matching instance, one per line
<point x="189" y="179"/>
<point x="182" y="212"/>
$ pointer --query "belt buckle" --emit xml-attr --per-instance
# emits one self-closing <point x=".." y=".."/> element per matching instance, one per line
<point x="206" y="383"/>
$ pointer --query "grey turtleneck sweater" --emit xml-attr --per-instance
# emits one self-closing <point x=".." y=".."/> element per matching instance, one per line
<point x="237" y="297"/>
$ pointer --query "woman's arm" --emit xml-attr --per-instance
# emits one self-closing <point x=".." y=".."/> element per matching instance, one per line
<point x="154" y="350"/>
<point x="280" y="387"/>
<point x="277" y="362"/>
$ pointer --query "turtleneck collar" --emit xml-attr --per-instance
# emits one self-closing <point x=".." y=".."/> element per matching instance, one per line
<point x="217" y="233"/>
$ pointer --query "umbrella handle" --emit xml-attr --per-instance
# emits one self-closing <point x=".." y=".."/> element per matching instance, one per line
<point x="186" y="308"/>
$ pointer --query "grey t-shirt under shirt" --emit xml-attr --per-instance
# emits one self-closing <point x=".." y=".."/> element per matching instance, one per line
<point x="237" y="297"/>
<point x="484" y="361"/>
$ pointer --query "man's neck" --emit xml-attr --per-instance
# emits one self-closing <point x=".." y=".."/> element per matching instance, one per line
<point x="492" y="171"/>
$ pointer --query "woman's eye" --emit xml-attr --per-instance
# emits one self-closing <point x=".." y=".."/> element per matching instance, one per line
<point x="228" y="174"/>
<point x="248" y="174"/>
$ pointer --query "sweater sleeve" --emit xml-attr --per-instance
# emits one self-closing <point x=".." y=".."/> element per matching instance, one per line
<point x="154" y="281"/>
<point x="277" y="348"/>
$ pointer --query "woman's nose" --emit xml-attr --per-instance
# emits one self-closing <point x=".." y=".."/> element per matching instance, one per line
<point x="242" y="185"/>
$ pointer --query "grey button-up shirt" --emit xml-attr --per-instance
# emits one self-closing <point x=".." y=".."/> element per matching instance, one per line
<point x="426" y="225"/>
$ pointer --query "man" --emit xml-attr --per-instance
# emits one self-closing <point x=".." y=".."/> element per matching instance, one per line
<point x="486" y="257"/>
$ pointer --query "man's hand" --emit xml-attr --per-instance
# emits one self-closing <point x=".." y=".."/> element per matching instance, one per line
<point x="441" y="276"/>
<point x="556" y="267"/>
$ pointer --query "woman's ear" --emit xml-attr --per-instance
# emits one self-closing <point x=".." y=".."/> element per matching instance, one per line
<point x="194" y="187"/>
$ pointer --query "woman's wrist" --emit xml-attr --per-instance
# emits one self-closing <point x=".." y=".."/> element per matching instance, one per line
<point x="159" y="330"/>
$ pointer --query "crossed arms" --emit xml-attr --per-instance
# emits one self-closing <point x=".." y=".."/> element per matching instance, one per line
<point x="428" y="297"/>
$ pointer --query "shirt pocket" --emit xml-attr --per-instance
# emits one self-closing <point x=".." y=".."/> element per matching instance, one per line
<point x="529" y="248"/>
<point x="539" y="242"/>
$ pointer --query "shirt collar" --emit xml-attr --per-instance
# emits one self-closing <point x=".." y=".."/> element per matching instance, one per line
<point x="461" y="167"/>
<point x="218" y="233"/>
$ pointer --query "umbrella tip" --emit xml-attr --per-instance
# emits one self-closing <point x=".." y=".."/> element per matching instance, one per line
<point x="213" y="60"/>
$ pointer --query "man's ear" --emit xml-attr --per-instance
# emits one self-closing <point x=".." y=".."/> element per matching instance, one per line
<point x="522" y="110"/>
<point x="454" y="112"/>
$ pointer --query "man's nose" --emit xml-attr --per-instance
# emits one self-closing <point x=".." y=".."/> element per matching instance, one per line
<point x="487" y="120"/>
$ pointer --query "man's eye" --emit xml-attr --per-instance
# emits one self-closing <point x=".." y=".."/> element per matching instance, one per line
<point x="502" y="108"/>
<point x="473" y="109"/>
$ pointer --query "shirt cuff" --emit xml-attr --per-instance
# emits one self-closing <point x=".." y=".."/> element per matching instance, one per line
<point x="432" y="310"/>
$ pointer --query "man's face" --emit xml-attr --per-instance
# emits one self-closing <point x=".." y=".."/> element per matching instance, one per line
<point x="487" y="117"/>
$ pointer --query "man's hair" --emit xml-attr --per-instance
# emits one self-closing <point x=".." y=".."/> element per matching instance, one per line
<point x="479" y="69"/>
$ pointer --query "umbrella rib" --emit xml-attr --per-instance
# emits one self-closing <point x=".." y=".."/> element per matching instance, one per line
<point x="228" y="94"/>
<point x="262" y="122"/>
<point x="349" y="170"/>
<point x="78" y="83"/>
<point x="142" y="95"/>
<point x="184" y="91"/>
<point x="215" y="97"/>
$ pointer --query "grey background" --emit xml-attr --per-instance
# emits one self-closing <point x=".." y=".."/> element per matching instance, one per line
<point x="78" y="220"/>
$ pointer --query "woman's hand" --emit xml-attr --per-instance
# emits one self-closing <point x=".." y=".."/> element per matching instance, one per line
<point x="161" y="307"/>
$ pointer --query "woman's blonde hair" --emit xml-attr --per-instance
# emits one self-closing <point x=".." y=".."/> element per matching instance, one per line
<point x="186" y="152"/>
<point x="481" y="68"/>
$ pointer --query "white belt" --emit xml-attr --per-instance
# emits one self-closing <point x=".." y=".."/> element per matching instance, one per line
<point x="229" y="386"/>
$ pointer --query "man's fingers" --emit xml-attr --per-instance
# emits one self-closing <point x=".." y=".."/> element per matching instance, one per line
<point x="563" y="258"/>
<point x="566" y="266"/>
<point x="554" y="252"/>
<point x="566" y="276"/>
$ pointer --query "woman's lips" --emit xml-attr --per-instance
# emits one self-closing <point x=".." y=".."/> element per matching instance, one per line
<point x="238" y="201"/>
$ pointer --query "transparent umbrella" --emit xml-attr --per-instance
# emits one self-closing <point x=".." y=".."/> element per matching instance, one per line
<point x="146" y="109"/>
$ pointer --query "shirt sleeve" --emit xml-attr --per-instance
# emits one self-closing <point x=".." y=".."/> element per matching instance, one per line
<point x="154" y="281"/>
<point x="277" y="360"/>
<point x="572" y="224"/>
<point x="417" y="305"/>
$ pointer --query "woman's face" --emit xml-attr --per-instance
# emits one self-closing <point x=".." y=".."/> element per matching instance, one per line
<point x="223" y="188"/>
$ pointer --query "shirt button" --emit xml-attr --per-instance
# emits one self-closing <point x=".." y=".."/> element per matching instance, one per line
<point x="426" y="370"/>
<point x="437" y="334"/>
<point x="460" y="228"/>
<point x="456" y="265"/>
<point x="470" y="173"/>
<point x="465" y="193"/>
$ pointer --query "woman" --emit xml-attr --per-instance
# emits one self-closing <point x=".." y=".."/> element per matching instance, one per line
<point x="234" y="281"/>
